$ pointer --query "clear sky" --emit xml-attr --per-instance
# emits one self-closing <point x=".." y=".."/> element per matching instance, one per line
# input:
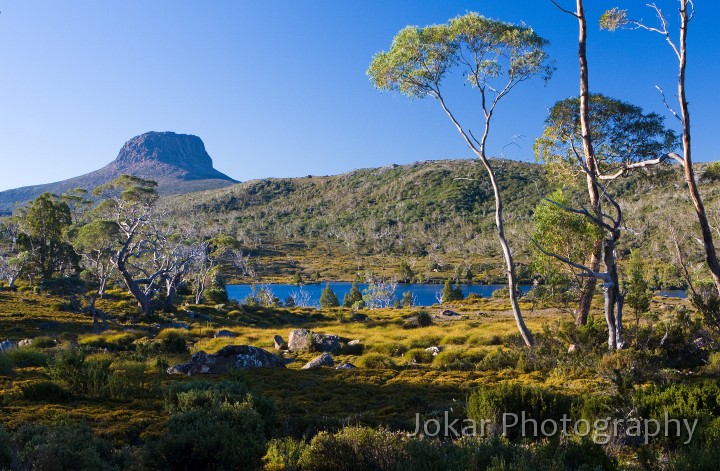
<point x="278" y="88"/>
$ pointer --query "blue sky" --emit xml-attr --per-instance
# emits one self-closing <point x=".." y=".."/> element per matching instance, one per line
<point x="278" y="88"/>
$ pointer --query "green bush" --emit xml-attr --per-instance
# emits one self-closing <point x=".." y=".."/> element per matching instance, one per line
<point x="26" y="356"/>
<point x="418" y="355"/>
<point x="6" y="450"/>
<point x="457" y="360"/>
<point x="173" y="343"/>
<point x="44" y="342"/>
<point x="285" y="453"/>
<point x="45" y="391"/>
<point x="66" y="447"/>
<point x="711" y="172"/>
<point x="111" y="340"/>
<point x="500" y="359"/>
<point x="376" y="361"/>
<point x="535" y="402"/>
<point x="355" y="448"/>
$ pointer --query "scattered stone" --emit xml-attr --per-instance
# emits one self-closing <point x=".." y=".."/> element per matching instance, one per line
<point x="323" y="360"/>
<point x="346" y="366"/>
<point x="225" y="333"/>
<point x="449" y="313"/>
<point x="357" y="317"/>
<point x="280" y="344"/>
<point x="305" y="340"/>
<point x="232" y="357"/>
<point x="8" y="345"/>
<point x="434" y="350"/>
<point x="573" y="348"/>
<point x="25" y="343"/>
<point x="354" y="342"/>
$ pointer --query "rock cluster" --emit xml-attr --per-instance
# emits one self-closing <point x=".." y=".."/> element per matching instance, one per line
<point x="232" y="357"/>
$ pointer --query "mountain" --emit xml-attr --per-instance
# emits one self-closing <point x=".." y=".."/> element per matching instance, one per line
<point x="178" y="162"/>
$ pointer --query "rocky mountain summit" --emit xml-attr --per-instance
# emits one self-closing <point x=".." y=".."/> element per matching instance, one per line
<point x="178" y="162"/>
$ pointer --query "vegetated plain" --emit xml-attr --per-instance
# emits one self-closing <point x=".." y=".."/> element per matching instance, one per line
<point x="78" y="398"/>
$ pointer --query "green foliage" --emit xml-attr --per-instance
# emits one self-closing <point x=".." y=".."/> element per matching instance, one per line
<point x="711" y="172"/>
<point x="354" y="448"/>
<point x="418" y="355"/>
<point x="405" y="272"/>
<point x="44" y="342"/>
<point x="638" y="294"/>
<point x="564" y="233"/>
<point x="376" y="361"/>
<point x="66" y="447"/>
<point x="285" y="453"/>
<point x="328" y="298"/>
<point x="45" y="391"/>
<point x="26" y="356"/>
<point x="6" y="451"/>
<point x="537" y="403"/>
<point x="621" y="133"/>
<point x="6" y="366"/>
<point x="212" y="427"/>
<point x="451" y="293"/>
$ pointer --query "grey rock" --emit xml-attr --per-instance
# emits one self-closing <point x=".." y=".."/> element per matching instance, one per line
<point x="323" y="360"/>
<point x="305" y="340"/>
<point x="25" y="343"/>
<point x="225" y="333"/>
<point x="280" y="344"/>
<point x="346" y="366"/>
<point x="300" y="340"/>
<point x="232" y="357"/>
<point x="354" y="342"/>
<point x="449" y="313"/>
<point x="434" y="350"/>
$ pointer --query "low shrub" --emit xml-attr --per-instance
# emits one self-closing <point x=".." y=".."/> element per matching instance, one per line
<point x="355" y="448"/>
<point x="284" y="454"/>
<point x="418" y="355"/>
<point x="376" y="361"/>
<point x="6" y="450"/>
<point x="458" y="360"/>
<point x="44" y="342"/>
<point x="26" y="356"/>
<point x="6" y="366"/>
<point x="45" y="391"/>
<point x="111" y="340"/>
<point x="500" y="359"/>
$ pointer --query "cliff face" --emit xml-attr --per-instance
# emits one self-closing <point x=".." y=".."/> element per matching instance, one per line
<point x="178" y="162"/>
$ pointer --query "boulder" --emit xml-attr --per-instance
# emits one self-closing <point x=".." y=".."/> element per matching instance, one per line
<point x="280" y="344"/>
<point x="434" y="350"/>
<point x="346" y="366"/>
<point x="25" y="343"/>
<point x="354" y="342"/>
<point x="232" y="357"/>
<point x="8" y="345"/>
<point x="225" y="333"/>
<point x="357" y="317"/>
<point x="305" y="340"/>
<point x="449" y="313"/>
<point x="300" y="340"/>
<point x="572" y="348"/>
<point x="323" y="360"/>
<point x="325" y="343"/>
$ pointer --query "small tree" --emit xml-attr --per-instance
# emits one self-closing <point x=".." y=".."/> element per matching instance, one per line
<point x="328" y="298"/>
<point x="638" y="293"/>
<point x="353" y="296"/>
<point x="405" y="272"/>
<point x="451" y="293"/>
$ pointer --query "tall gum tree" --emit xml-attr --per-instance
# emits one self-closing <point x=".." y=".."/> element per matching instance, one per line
<point x="494" y="57"/>
<point x="617" y="18"/>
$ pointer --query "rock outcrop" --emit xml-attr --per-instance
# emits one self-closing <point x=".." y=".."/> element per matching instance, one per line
<point x="232" y="357"/>
<point x="305" y="340"/>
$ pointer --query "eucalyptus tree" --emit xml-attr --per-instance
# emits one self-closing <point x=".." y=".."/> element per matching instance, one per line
<point x="493" y="57"/>
<point x="128" y="201"/>
<point x="42" y="235"/>
<point x="617" y="18"/>
<point x="96" y="243"/>
<point x="625" y="139"/>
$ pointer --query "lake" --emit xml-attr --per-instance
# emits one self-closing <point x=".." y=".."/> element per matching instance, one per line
<point x="424" y="294"/>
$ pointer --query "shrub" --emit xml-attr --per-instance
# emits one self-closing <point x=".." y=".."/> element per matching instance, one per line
<point x="328" y="298"/>
<point x="535" y="402"/>
<point x="711" y="172"/>
<point x="392" y="349"/>
<point x="111" y="340"/>
<point x="44" y="342"/>
<point x="26" y="356"/>
<point x="66" y="447"/>
<point x="285" y="454"/>
<point x="355" y="448"/>
<point x="6" y="451"/>
<point x="418" y="355"/>
<point x="45" y="391"/>
<point x="376" y="361"/>
<point x="500" y="359"/>
<point x="626" y="368"/>
<point x="173" y="343"/>
<point x="458" y="360"/>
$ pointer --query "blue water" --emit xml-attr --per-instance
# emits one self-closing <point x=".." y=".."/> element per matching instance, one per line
<point x="424" y="294"/>
<point x="673" y="293"/>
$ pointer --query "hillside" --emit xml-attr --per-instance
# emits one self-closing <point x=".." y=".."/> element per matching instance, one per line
<point x="178" y="162"/>
<point x="436" y="215"/>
